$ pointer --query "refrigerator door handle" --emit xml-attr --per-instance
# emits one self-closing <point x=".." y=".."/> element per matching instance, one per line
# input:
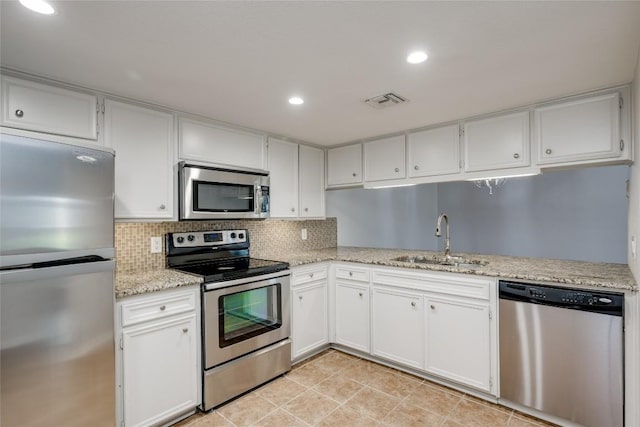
<point x="31" y="274"/>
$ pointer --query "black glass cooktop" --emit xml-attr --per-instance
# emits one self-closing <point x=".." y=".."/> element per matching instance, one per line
<point x="236" y="268"/>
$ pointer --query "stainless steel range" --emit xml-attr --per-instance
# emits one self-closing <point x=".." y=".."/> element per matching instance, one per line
<point x="245" y="311"/>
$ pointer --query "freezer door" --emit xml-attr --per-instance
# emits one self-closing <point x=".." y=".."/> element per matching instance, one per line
<point x="56" y="201"/>
<point x="57" y="346"/>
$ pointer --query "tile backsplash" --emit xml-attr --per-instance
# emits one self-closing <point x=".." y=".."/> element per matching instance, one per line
<point x="267" y="238"/>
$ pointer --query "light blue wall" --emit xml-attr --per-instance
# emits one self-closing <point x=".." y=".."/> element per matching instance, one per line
<point x="385" y="218"/>
<point x="577" y="214"/>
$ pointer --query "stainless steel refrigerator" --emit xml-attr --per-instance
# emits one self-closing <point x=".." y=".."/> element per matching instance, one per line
<point x="56" y="283"/>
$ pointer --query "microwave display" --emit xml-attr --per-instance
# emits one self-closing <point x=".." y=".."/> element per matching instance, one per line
<point x="222" y="197"/>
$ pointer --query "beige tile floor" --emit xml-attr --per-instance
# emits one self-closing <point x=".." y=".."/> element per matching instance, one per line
<point x="337" y="389"/>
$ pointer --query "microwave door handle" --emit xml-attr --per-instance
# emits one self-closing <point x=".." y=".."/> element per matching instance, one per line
<point x="257" y="199"/>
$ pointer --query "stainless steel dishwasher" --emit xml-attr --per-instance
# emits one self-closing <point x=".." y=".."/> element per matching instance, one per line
<point x="561" y="352"/>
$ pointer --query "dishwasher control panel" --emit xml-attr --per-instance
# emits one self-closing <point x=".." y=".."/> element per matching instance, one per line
<point x="577" y="299"/>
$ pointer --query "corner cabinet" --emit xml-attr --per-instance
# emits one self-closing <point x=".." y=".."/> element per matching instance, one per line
<point x="143" y="140"/>
<point x="158" y="356"/>
<point x="50" y="109"/>
<point x="583" y="129"/>
<point x="384" y="159"/>
<point x="309" y="309"/>
<point x="344" y="166"/>
<point x="496" y="142"/>
<point x="224" y="146"/>
<point x="297" y="180"/>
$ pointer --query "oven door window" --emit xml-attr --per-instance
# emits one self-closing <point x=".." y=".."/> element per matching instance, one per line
<point x="247" y="314"/>
<point x="222" y="197"/>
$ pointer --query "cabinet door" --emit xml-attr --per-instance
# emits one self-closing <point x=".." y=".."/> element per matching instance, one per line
<point x="352" y="315"/>
<point x="384" y="159"/>
<point x="584" y="129"/>
<point x="434" y="151"/>
<point x="283" y="171"/>
<point x="143" y="140"/>
<point x="309" y="323"/>
<point x="311" y="182"/>
<point x="398" y="332"/>
<point x="497" y="142"/>
<point x="344" y="165"/>
<point x="458" y="341"/>
<point x="160" y="370"/>
<point x="43" y="108"/>
<point x="207" y="142"/>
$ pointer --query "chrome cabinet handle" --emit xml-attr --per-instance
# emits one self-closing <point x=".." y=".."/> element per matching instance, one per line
<point x="397" y="169"/>
<point x="548" y="151"/>
<point x="163" y="307"/>
<point x="413" y="303"/>
<point x="185" y="330"/>
<point x="19" y="113"/>
<point x="516" y="156"/>
<point x="416" y="167"/>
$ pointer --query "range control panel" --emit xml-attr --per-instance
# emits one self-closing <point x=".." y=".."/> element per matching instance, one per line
<point x="194" y="239"/>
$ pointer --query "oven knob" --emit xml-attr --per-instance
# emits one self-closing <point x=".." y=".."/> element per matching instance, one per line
<point x="241" y="236"/>
<point x="191" y="237"/>
<point x="233" y="235"/>
<point x="180" y="239"/>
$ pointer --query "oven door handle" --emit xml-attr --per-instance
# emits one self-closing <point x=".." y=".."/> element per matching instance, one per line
<point x="214" y="286"/>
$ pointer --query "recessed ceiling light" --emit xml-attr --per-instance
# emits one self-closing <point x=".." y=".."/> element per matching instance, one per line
<point x="296" y="100"/>
<point x="417" y="57"/>
<point x="39" y="6"/>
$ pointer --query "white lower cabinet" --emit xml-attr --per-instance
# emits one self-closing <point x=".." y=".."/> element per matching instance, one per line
<point x="159" y="367"/>
<point x="397" y="326"/>
<point x="309" y="310"/>
<point x="352" y="315"/>
<point x="458" y="340"/>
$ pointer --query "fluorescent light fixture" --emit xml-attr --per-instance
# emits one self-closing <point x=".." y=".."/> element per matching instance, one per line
<point x="296" y="100"/>
<point x="503" y="176"/>
<point x="39" y="6"/>
<point x="391" y="186"/>
<point x="417" y="57"/>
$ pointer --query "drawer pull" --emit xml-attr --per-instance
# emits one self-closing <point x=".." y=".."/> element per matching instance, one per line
<point x="413" y="303"/>
<point x="185" y="330"/>
<point x="516" y="156"/>
<point x="397" y="170"/>
<point x="416" y="167"/>
<point x="311" y="275"/>
<point x="163" y="307"/>
<point x="19" y="113"/>
<point x="360" y="294"/>
<point x="548" y="151"/>
<point x="350" y="273"/>
<point x="300" y="297"/>
<point x="162" y="207"/>
<point x="353" y="174"/>
<point x="433" y="307"/>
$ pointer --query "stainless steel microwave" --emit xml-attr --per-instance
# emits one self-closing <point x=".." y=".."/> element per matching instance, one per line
<point x="213" y="193"/>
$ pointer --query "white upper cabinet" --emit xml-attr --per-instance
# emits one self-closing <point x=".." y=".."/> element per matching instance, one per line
<point x="143" y="140"/>
<point x="49" y="109"/>
<point x="311" y="176"/>
<point x="283" y="173"/>
<point x="384" y="159"/>
<point x="496" y="142"/>
<point x="212" y="143"/>
<point x="434" y="151"/>
<point x="582" y="129"/>
<point x="344" y="165"/>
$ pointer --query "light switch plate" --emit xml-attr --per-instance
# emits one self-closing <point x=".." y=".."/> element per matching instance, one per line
<point x="156" y="245"/>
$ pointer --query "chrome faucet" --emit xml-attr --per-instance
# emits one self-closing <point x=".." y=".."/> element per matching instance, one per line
<point x="447" y="242"/>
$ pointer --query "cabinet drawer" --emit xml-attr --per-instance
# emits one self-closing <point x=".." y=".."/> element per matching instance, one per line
<point x="308" y="275"/>
<point x="157" y="307"/>
<point x="351" y="273"/>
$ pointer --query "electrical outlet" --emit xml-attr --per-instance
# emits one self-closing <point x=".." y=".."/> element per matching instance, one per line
<point x="634" y="251"/>
<point x="156" y="245"/>
<point x="304" y="234"/>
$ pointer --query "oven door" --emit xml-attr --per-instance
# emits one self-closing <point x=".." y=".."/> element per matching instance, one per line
<point x="244" y="315"/>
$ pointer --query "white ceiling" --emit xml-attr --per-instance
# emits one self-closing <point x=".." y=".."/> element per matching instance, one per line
<point x="239" y="62"/>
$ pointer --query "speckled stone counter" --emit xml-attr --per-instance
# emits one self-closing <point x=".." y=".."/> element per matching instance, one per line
<point x="135" y="283"/>
<point x="571" y="273"/>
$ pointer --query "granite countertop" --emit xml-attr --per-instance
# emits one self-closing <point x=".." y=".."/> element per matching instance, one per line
<point x="135" y="283"/>
<point x="562" y="272"/>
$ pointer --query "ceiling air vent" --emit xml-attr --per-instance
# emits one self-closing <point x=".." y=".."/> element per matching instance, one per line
<point x="387" y="100"/>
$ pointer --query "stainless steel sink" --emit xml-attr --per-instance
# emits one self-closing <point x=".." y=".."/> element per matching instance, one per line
<point x="455" y="261"/>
